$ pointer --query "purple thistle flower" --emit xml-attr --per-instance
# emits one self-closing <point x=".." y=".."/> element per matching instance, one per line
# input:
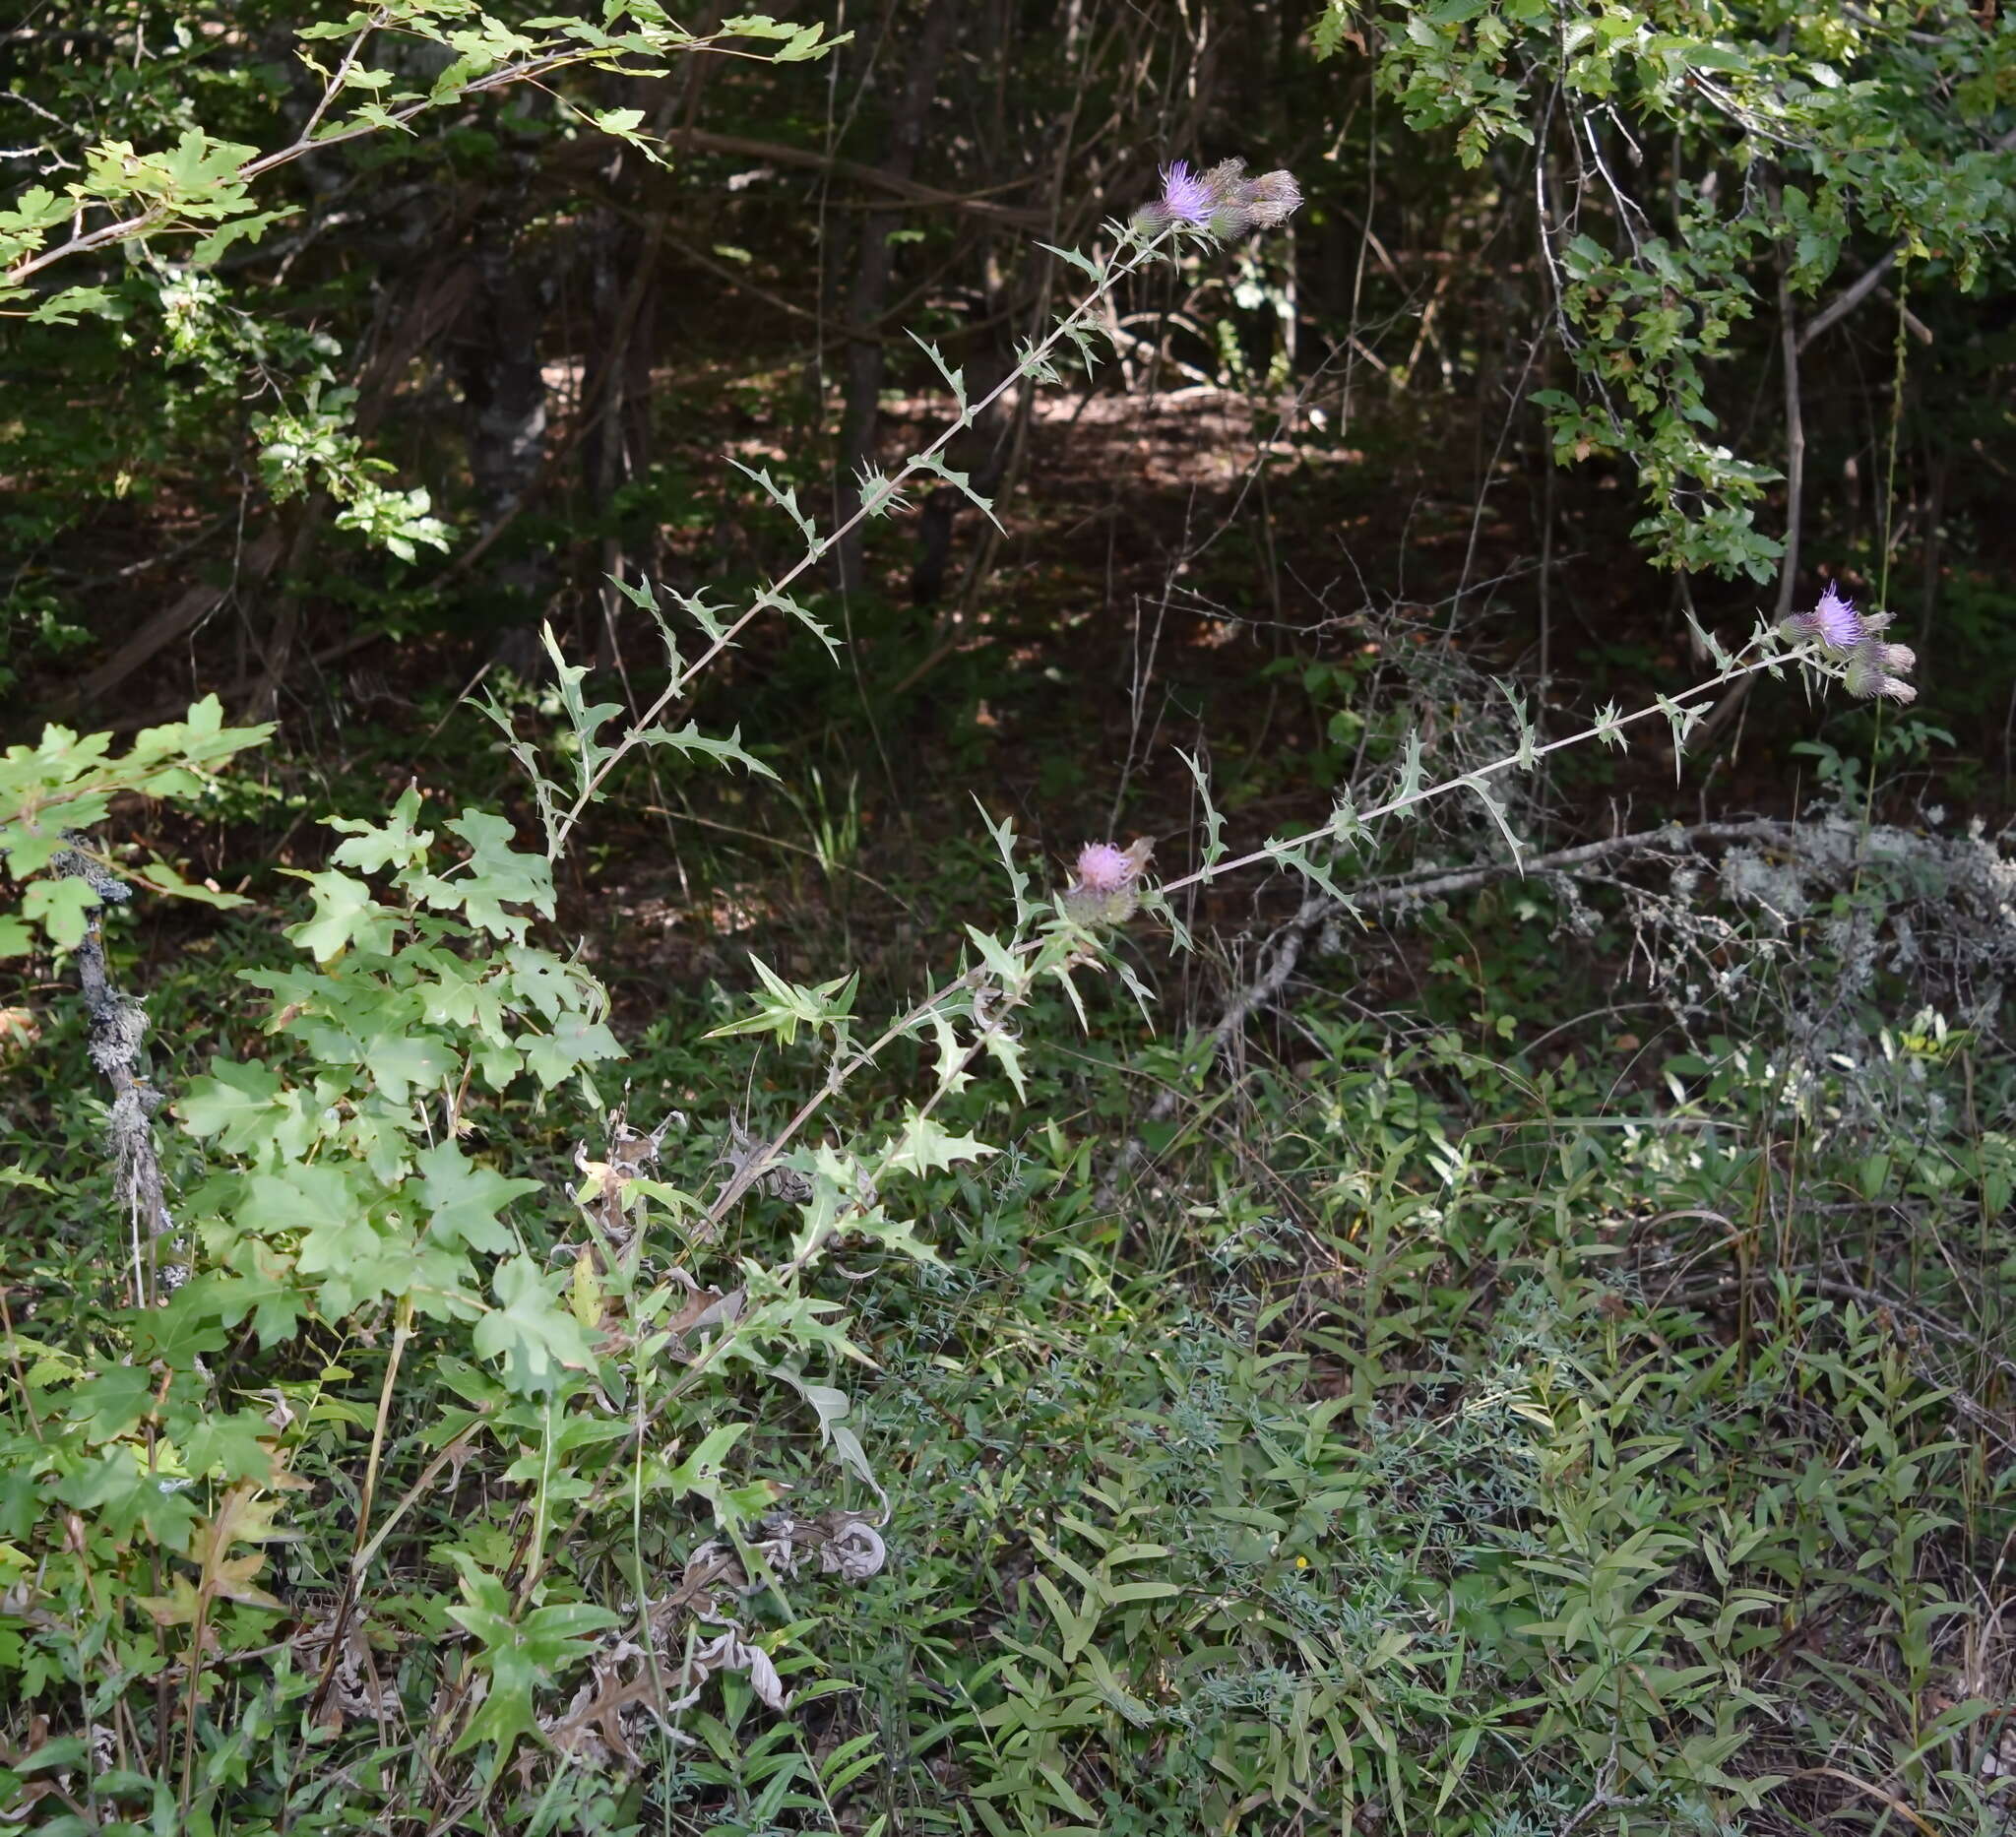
<point x="1104" y="868"/>
<point x="1841" y="629"/>
<point x="1185" y="197"/>
<point x="1834" y="621"/>
<point x="1223" y="202"/>
<point x="1105" y="888"/>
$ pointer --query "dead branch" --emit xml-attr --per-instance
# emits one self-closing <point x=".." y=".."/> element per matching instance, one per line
<point x="1283" y="952"/>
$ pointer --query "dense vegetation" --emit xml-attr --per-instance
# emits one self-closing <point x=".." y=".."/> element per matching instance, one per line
<point x="1007" y="915"/>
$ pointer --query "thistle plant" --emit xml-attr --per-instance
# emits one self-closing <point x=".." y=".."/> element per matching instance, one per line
<point x="967" y="1016"/>
<point x="1223" y="204"/>
<point x="1847" y="636"/>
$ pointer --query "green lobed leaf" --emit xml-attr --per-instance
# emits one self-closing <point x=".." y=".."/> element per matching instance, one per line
<point x="463" y="1198"/>
<point x="520" y="1654"/>
<point x="530" y="1333"/>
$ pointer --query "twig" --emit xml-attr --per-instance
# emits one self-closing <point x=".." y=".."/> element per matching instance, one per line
<point x="1790" y="344"/>
<point x="1470" y="781"/>
<point x="1605" y="1801"/>
<point x="364" y="1545"/>
<point x="1407" y="889"/>
<point x="337" y="82"/>
<point x="243" y="686"/>
<point x="1852" y="297"/>
<point x="27" y="1401"/>
<point x="1795" y="444"/>
<point x="898" y="186"/>
<point x="181" y="617"/>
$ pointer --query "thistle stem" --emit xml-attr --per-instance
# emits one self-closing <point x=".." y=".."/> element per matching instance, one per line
<point x="1116" y="266"/>
<point x="1274" y="851"/>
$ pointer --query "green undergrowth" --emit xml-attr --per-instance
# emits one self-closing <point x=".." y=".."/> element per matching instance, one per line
<point x="1404" y="1437"/>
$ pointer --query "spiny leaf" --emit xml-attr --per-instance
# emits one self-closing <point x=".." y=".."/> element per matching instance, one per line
<point x="1003" y="834"/>
<point x="690" y="740"/>
<point x="1411" y="773"/>
<point x="1214" y="823"/>
<point x="784" y="497"/>
<point x="955" y="380"/>
<point x="960" y="481"/>
<point x="1085" y="265"/>
<point x="1496" y="811"/>
<point x="1297" y="856"/>
<point x="879" y="493"/>
<point x="778" y="601"/>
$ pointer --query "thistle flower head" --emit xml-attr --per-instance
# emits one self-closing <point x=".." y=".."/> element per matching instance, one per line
<point x="1271" y="199"/>
<point x="1104" y="868"/>
<point x="1833" y="623"/>
<point x="1840" y="626"/>
<point x="1185" y="196"/>
<point x="1222" y="202"/>
<point x="1878" y="669"/>
<point x="1105" y="888"/>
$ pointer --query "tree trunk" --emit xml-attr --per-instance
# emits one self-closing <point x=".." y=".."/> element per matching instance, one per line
<point x="497" y="359"/>
<point x="617" y="399"/>
<point x="872" y="269"/>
